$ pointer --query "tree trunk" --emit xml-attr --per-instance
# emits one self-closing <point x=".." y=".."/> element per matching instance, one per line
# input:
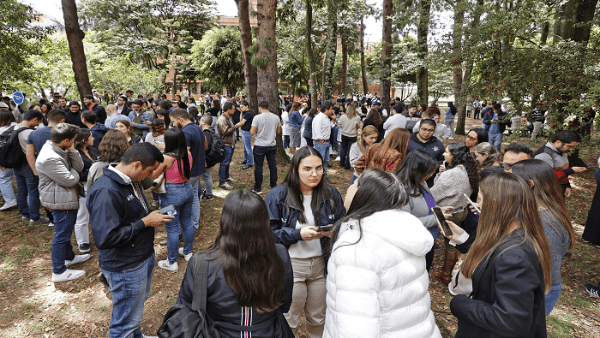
<point x="75" y="38"/>
<point x="246" y="39"/>
<point x="266" y="70"/>
<point x="422" y="32"/>
<point x="311" y="60"/>
<point x="363" y="67"/>
<point x="386" y="51"/>
<point x="330" y="51"/>
<point x="344" y="67"/>
<point x="583" y="21"/>
<point x="457" y="71"/>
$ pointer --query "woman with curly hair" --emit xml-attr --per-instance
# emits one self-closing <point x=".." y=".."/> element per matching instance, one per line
<point x="458" y="176"/>
<point x="113" y="146"/>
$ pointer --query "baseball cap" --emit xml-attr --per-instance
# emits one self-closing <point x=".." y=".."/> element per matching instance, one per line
<point x="3" y="105"/>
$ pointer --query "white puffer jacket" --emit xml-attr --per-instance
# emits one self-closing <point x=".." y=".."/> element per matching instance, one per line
<point x="378" y="287"/>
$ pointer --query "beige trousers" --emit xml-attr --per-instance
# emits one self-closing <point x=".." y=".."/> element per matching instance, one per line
<point x="309" y="296"/>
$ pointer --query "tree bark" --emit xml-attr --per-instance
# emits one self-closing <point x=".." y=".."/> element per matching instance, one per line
<point x="386" y="51"/>
<point x="422" y="32"/>
<point x="344" y="67"/>
<point x="309" y="52"/>
<point x="246" y="41"/>
<point x="457" y="60"/>
<point x="267" y="77"/>
<point x="75" y="38"/>
<point x="330" y="51"/>
<point x="363" y="67"/>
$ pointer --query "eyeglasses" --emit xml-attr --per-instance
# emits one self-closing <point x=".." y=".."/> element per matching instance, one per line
<point x="428" y="130"/>
<point x="507" y="166"/>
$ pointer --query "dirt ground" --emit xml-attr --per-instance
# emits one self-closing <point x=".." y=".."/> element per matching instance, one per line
<point x="32" y="306"/>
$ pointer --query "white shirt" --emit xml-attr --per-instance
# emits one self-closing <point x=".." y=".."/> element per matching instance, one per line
<point x="321" y="127"/>
<point x="306" y="249"/>
<point x="285" y="117"/>
<point x="393" y="122"/>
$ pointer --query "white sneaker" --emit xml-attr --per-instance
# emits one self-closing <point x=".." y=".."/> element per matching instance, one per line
<point x="337" y="159"/>
<point x="68" y="275"/>
<point x="8" y="205"/>
<point x="186" y="257"/>
<point x="165" y="265"/>
<point x="144" y="336"/>
<point x="78" y="259"/>
<point x="51" y="225"/>
<point x="451" y="138"/>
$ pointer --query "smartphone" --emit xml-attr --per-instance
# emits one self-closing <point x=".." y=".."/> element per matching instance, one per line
<point x="441" y="221"/>
<point x="168" y="210"/>
<point x="472" y="204"/>
<point x="325" y="227"/>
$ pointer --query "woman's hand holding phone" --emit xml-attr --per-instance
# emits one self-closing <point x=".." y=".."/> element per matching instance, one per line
<point x="310" y="233"/>
<point x="456" y="230"/>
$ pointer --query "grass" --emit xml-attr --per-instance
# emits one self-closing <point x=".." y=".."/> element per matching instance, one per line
<point x="560" y="328"/>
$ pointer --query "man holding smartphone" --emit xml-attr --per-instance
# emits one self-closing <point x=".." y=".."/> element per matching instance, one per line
<point x="123" y="229"/>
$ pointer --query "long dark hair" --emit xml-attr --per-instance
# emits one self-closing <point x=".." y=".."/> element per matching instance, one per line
<point x="508" y="200"/>
<point x="375" y="116"/>
<point x="294" y="198"/>
<point x="176" y="146"/>
<point x="463" y="156"/>
<point x="82" y="137"/>
<point x="415" y="168"/>
<point x="377" y="191"/>
<point x="452" y="108"/>
<point x="246" y="249"/>
<point x="6" y="118"/>
<point x="547" y="192"/>
<point x="482" y="135"/>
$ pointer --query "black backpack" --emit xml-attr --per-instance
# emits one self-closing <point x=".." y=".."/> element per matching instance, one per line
<point x="216" y="147"/>
<point x="11" y="153"/>
<point x="183" y="322"/>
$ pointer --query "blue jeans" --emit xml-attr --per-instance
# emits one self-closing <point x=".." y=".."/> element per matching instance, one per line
<point x="6" y="187"/>
<point x="224" y="165"/>
<point x="286" y="141"/>
<point x="552" y="297"/>
<point x="181" y="196"/>
<point x="334" y="139"/>
<point x="259" y="159"/>
<point x="496" y="140"/>
<point x="197" y="188"/>
<point x="64" y="222"/>
<point x="129" y="289"/>
<point x="345" y="151"/>
<point x="323" y="149"/>
<point x="247" y="141"/>
<point x="28" y="196"/>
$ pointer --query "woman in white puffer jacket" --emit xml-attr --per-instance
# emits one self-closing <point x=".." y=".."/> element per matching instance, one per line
<point x="377" y="284"/>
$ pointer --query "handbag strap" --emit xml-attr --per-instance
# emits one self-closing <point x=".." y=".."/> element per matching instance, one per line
<point x="200" y="282"/>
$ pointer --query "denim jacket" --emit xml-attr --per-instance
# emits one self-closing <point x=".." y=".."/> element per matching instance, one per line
<point x="283" y="217"/>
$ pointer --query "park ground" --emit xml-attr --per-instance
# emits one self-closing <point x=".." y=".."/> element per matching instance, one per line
<point x="32" y="306"/>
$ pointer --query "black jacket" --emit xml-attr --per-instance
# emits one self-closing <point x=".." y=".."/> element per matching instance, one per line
<point x="508" y="295"/>
<point x="434" y="146"/>
<point x="224" y="309"/>
<point x="122" y="239"/>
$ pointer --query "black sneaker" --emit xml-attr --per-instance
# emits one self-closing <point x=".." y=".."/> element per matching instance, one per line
<point x="592" y="290"/>
<point x="256" y="191"/>
<point x="103" y="280"/>
<point x="84" y="248"/>
<point x="207" y="197"/>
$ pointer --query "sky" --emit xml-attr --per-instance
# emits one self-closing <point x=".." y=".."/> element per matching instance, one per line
<point x="53" y="8"/>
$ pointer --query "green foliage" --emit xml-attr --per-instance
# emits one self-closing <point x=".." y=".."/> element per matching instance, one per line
<point x="265" y="42"/>
<point x="18" y="38"/>
<point x="147" y="29"/>
<point x="218" y="59"/>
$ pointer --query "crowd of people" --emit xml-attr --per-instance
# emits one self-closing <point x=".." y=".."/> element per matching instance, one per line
<point x="352" y="266"/>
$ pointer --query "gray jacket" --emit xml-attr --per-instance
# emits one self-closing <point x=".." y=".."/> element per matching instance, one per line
<point x="417" y="206"/>
<point x="58" y="170"/>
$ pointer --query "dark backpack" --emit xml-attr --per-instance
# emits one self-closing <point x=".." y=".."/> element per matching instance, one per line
<point x="183" y="322"/>
<point x="217" y="149"/>
<point x="11" y="153"/>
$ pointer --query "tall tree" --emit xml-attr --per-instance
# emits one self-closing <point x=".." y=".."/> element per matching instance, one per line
<point x="363" y="66"/>
<point x="309" y="53"/>
<point x="332" y="34"/>
<point x="386" y="53"/>
<point x="75" y="38"/>
<point x="457" y="60"/>
<point x="424" y="9"/>
<point x="246" y="42"/>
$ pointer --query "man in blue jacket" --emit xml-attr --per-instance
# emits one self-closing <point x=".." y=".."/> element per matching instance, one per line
<point x="124" y="233"/>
